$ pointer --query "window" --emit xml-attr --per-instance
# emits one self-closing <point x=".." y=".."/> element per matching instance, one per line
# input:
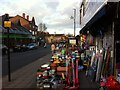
<point x="30" y="30"/>
<point x="33" y="33"/>
<point x="33" y="26"/>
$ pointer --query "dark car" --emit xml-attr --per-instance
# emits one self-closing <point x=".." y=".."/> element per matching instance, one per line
<point x="4" y="49"/>
<point x="17" y="48"/>
<point x="24" y="47"/>
<point x="20" y="47"/>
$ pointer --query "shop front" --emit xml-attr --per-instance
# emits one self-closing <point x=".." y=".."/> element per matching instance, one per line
<point x="103" y="43"/>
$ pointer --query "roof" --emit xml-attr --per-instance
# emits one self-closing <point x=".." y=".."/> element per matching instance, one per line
<point x="22" y="17"/>
<point x="20" y="29"/>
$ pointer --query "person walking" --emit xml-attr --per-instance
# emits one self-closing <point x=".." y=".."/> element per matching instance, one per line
<point x="53" y="48"/>
<point x="45" y="45"/>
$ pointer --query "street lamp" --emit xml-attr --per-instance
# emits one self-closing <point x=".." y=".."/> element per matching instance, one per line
<point x="7" y="24"/>
<point x="74" y="18"/>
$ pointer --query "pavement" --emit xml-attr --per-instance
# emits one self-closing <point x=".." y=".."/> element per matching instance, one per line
<point x="86" y="83"/>
<point x="25" y="78"/>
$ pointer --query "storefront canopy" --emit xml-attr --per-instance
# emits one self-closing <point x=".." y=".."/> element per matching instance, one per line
<point x="15" y="36"/>
<point x="98" y="22"/>
<point x="96" y="17"/>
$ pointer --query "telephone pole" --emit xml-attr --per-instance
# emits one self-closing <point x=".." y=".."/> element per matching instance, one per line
<point x="74" y="18"/>
<point x="74" y="22"/>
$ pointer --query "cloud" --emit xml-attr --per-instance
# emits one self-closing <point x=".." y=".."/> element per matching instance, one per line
<point x="54" y="13"/>
<point x="52" y="5"/>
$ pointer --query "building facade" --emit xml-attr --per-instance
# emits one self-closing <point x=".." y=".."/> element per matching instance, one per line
<point x="29" y="24"/>
<point x="100" y="23"/>
<point x="22" y="31"/>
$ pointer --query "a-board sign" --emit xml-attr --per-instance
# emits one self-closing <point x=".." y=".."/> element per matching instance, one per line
<point x="72" y="40"/>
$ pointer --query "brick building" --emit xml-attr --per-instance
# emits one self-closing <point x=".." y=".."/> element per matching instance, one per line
<point x="22" y="30"/>
<point x="25" y="22"/>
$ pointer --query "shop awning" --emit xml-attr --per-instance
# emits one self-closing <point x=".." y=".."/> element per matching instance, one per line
<point x="95" y="18"/>
<point x="97" y="23"/>
<point x="15" y="36"/>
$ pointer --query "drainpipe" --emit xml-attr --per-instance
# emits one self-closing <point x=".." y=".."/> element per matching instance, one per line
<point x="113" y="49"/>
<point x="114" y="38"/>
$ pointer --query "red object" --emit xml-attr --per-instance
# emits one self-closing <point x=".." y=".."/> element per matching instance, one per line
<point x="53" y="64"/>
<point x="76" y="72"/>
<point x="73" y="73"/>
<point x="60" y="73"/>
<point x="45" y="77"/>
<point x="112" y="83"/>
<point x="84" y="36"/>
<point x="59" y="68"/>
<point x="73" y="88"/>
<point x="38" y="73"/>
<point x="102" y="83"/>
<point x="68" y="78"/>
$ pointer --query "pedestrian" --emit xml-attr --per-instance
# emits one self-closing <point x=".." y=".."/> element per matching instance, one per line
<point x="53" y="48"/>
<point x="45" y="45"/>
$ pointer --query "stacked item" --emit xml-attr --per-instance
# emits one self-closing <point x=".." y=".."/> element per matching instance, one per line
<point x="61" y="72"/>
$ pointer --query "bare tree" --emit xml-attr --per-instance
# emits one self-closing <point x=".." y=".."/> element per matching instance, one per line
<point x="42" y="27"/>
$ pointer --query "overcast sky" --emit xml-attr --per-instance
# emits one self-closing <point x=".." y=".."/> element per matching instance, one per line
<point x="54" y="13"/>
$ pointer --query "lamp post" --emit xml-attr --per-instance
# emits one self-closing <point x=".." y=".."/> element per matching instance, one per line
<point x="7" y="24"/>
<point x="74" y="18"/>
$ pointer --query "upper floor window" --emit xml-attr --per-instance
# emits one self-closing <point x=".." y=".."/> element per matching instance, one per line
<point x="33" y="33"/>
<point x="33" y="26"/>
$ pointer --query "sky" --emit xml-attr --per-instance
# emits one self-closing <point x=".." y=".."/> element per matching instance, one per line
<point x="54" y="13"/>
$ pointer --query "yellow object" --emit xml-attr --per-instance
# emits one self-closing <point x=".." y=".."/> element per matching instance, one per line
<point x="7" y="23"/>
<point x="63" y="76"/>
<point x="85" y="64"/>
<point x="56" y="61"/>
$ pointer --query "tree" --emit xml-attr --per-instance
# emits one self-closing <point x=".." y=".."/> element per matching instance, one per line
<point x="42" y="31"/>
<point x="42" y="27"/>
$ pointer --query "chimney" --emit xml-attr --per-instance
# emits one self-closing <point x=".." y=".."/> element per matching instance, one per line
<point x="7" y="17"/>
<point x="28" y="17"/>
<point x="23" y="15"/>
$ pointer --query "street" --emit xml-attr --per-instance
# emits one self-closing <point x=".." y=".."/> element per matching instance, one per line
<point x="24" y="77"/>
<point x="21" y="59"/>
<point x="73" y="46"/>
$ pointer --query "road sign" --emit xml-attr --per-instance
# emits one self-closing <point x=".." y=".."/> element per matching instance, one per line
<point x="7" y="23"/>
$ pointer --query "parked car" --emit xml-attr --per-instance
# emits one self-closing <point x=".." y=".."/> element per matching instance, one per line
<point x="20" y="47"/>
<point x="24" y="47"/>
<point x="4" y="49"/>
<point x="32" y="46"/>
<point x="17" y="48"/>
